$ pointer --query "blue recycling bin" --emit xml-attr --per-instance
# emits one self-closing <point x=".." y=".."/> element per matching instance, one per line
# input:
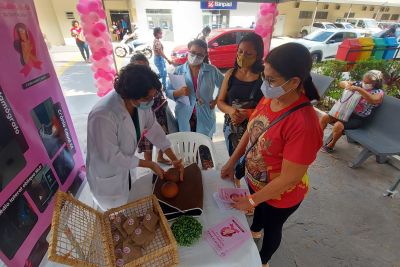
<point x="390" y="43"/>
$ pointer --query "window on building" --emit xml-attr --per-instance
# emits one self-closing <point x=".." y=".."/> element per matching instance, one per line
<point x="321" y="15"/>
<point x="326" y="6"/>
<point x="385" y="16"/>
<point x="305" y="15"/>
<point x="364" y="8"/>
<point x="395" y="17"/>
<point x="70" y="15"/>
<point x="371" y="8"/>
<point x="387" y="9"/>
<point x="351" y="15"/>
<point x="296" y="4"/>
<point x="382" y="9"/>
<point x="337" y="7"/>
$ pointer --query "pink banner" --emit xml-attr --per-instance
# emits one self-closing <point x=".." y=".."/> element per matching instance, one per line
<point x="39" y="151"/>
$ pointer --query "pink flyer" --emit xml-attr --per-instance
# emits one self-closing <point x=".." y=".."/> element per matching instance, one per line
<point x="227" y="236"/>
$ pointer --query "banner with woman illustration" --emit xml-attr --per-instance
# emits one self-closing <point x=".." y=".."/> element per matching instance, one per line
<point x="39" y="151"/>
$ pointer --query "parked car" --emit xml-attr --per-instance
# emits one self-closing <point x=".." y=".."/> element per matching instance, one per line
<point x="222" y="47"/>
<point x="323" y="44"/>
<point x="349" y="26"/>
<point x="316" y="26"/>
<point x="369" y="25"/>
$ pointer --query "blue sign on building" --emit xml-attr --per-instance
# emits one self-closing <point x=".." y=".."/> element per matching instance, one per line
<point x="218" y="4"/>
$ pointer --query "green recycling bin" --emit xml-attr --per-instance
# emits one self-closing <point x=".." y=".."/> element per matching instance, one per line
<point x="379" y="49"/>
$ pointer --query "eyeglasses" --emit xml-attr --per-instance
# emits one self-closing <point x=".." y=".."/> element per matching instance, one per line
<point x="196" y="54"/>
<point x="271" y="81"/>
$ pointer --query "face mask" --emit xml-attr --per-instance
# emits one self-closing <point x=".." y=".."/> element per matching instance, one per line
<point x="195" y="59"/>
<point x="367" y="86"/>
<point x="273" y="92"/>
<point x="146" y="105"/>
<point x="245" y="62"/>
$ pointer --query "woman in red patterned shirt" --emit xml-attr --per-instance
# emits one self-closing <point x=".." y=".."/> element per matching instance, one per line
<point x="276" y="166"/>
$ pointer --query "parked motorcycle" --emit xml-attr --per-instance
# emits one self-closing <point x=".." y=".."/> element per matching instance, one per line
<point x="130" y="45"/>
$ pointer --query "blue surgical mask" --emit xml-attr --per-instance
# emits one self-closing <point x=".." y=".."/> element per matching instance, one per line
<point x="273" y="92"/>
<point x="146" y="105"/>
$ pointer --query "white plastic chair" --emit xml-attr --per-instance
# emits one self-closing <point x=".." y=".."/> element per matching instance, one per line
<point x="186" y="146"/>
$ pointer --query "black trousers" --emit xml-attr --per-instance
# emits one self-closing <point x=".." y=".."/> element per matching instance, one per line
<point x="270" y="219"/>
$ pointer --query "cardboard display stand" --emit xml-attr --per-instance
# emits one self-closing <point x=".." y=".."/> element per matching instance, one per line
<point x="39" y="151"/>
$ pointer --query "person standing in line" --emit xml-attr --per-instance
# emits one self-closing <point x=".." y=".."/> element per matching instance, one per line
<point x="279" y="157"/>
<point x="240" y="91"/>
<point x="159" y="56"/>
<point x="77" y="33"/>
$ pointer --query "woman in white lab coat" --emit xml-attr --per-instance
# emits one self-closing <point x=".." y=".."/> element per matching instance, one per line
<point x="115" y="125"/>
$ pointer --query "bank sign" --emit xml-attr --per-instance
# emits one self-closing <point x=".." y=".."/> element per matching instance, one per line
<point x="218" y="4"/>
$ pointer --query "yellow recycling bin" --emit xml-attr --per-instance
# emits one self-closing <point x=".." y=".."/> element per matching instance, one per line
<point x="367" y="44"/>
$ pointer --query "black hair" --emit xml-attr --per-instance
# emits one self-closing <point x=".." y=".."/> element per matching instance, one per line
<point x="135" y="81"/>
<point x="258" y="44"/>
<point x="139" y="57"/>
<point x="294" y="60"/>
<point x="202" y="44"/>
<point x="156" y="31"/>
<point x="74" y="21"/>
<point x="206" y="30"/>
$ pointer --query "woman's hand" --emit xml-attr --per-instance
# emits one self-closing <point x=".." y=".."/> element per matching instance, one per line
<point x="157" y="170"/>
<point x="354" y="88"/>
<point x="242" y="203"/>
<point x="213" y="103"/>
<point x="241" y="116"/>
<point x="227" y="171"/>
<point x="178" y="164"/>
<point x="183" y="91"/>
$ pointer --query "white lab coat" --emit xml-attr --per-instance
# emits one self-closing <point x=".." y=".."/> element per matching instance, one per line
<point x="111" y="145"/>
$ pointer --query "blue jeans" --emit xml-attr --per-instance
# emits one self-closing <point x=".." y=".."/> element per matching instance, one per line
<point x="159" y="61"/>
<point x="83" y="47"/>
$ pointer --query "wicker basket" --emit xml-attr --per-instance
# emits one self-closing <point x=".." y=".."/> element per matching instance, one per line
<point x="81" y="235"/>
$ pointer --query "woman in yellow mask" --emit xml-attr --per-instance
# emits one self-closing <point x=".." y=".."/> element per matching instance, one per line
<point x="240" y="90"/>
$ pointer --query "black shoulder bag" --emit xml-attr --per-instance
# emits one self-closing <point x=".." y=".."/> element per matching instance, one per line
<point x="241" y="164"/>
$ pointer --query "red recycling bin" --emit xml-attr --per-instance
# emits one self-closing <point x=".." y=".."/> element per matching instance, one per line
<point x="346" y="50"/>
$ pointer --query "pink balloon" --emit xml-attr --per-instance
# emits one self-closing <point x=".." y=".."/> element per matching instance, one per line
<point x="95" y="32"/>
<point x="101" y="14"/>
<point x="100" y="26"/>
<point x="100" y="42"/>
<point x="82" y="8"/>
<point x="97" y="56"/>
<point x="93" y="17"/>
<point x="93" y="6"/>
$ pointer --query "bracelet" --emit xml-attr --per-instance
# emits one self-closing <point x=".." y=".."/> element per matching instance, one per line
<point x="250" y="198"/>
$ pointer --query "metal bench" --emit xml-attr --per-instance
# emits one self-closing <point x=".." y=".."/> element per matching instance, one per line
<point x="381" y="135"/>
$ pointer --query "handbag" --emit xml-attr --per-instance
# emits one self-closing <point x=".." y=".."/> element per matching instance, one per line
<point x="241" y="164"/>
<point x="345" y="106"/>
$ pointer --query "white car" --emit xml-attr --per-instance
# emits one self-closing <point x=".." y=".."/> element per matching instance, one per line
<point x="349" y="26"/>
<point x="316" y="26"/>
<point x="324" y="44"/>
<point x="369" y="25"/>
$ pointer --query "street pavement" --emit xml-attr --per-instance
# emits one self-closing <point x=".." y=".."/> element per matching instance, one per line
<point x="345" y="219"/>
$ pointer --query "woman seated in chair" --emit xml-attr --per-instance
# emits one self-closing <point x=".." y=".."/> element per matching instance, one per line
<point x="371" y="97"/>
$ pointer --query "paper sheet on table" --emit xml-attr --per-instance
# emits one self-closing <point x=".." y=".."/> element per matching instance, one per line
<point x="178" y="81"/>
